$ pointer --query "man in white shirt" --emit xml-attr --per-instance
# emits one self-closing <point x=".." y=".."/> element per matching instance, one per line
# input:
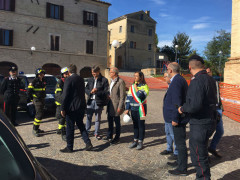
<point x="115" y="106"/>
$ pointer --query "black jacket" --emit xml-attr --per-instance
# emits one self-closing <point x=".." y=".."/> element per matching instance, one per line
<point x="10" y="88"/>
<point x="175" y="95"/>
<point x="201" y="99"/>
<point x="102" y="90"/>
<point x="37" y="89"/>
<point x="59" y="91"/>
<point x="73" y="97"/>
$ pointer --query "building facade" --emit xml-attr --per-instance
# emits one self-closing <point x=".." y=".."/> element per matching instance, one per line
<point x="52" y="34"/>
<point x="135" y="33"/>
<point x="232" y="67"/>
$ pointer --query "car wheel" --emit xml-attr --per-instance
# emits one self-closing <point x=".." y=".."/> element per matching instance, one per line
<point x="31" y="110"/>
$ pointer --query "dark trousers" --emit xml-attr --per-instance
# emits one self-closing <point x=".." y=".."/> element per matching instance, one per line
<point x="180" y="140"/>
<point x="71" y="119"/>
<point x="138" y="126"/>
<point x="61" y="120"/>
<point x="198" y="143"/>
<point x="10" y="109"/>
<point x="116" y="119"/>
<point x="39" y="107"/>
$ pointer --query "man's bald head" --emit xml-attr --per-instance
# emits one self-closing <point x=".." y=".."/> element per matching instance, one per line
<point x="175" y="67"/>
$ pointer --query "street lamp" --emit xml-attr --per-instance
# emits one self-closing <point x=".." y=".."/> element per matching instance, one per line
<point x="220" y="54"/>
<point x="115" y="44"/>
<point x="176" y="46"/>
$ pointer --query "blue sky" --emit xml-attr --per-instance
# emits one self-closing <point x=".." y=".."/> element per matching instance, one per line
<point x="200" y="19"/>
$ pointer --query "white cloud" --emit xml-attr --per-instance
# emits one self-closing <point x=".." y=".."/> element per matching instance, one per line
<point x="163" y="15"/>
<point x="165" y="42"/>
<point x="201" y="19"/>
<point x="160" y="2"/>
<point x="200" y="26"/>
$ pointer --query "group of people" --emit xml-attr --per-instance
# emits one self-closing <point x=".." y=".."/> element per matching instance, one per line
<point x="198" y="104"/>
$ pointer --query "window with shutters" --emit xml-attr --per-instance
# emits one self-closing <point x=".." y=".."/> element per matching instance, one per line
<point x="90" y="18"/>
<point x="55" y="11"/>
<point x="149" y="47"/>
<point x="54" y="42"/>
<point x="132" y="28"/>
<point x="89" y="47"/>
<point x="120" y="29"/>
<point x="6" y="37"/>
<point x="149" y="32"/>
<point x="133" y="44"/>
<point x="7" y="5"/>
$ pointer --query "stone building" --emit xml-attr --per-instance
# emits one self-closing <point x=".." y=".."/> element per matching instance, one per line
<point x="135" y="33"/>
<point x="232" y="67"/>
<point x="59" y="32"/>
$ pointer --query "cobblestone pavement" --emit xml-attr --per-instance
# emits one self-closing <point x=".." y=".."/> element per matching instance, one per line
<point x="120" y="162"/>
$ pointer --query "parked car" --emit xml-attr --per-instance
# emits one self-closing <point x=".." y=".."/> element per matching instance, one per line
<point x="1" y="95"/>
<point x="51" y="82"/>
<point x="17" y="162"/>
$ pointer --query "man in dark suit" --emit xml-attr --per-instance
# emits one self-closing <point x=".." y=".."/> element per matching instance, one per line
<point x="73" y="107"/>
<point x="176" y="96"/>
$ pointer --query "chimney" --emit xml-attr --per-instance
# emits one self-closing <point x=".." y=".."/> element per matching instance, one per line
<point x="147" y="13"/>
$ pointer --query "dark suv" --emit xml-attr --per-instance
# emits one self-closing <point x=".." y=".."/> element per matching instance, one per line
<point x="50" y="93"/>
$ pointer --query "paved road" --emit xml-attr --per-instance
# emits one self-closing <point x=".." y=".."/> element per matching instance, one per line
<point x="118" y="162"/>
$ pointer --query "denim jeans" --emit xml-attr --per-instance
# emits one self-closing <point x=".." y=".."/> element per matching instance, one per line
<point x="170" y="138"/>
<point x="93" y="109"/>
<point x="219" y="132"/>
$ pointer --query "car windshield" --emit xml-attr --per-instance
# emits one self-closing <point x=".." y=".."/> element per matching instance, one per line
<point x="14" y="162"/>
<point x="50" y="80"/>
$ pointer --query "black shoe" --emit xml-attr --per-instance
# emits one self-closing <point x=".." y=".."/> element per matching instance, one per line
<point x="115" y="141"/>
<point x="107" y="139"/>
<point x="214" y="152"/>
<point x="88" y="147"/>
<point x="172" y="164"/>
<point x="66" y="150"/>
<point x="165" y="152"/>
<point x="40" y="131"/>
<point x="172" y="157"/>
<point x="176" y="172"/>
<point x="59" y="131"/>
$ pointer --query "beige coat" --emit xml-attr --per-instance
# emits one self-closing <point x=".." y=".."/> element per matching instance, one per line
<point x="117" y="98"/>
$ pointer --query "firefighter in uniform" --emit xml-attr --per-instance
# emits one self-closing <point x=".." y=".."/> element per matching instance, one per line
<point x="10" y="89"/>
<point x="58" y="92"/>
<point x="37" y="94"/>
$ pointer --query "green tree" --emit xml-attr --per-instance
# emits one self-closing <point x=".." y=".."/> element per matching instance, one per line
<point x="169" y="51"/>
<point x="184" y="45"/>
<point x="218" y="50"/>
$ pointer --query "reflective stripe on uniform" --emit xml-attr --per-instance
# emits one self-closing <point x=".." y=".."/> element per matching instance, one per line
<point x="39" y="89"/>
<point x="61" y="126"/>
<point x="58" y="90"/>
<point x="36" y="120"/>
<point x="30" y="87"/>
<point x="57" y="103"/>
<point x="34" y="95"/>
<point x="134" y="104"/>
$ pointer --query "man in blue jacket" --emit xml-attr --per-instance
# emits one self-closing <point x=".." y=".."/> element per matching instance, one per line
<point x="175" y="125"/>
